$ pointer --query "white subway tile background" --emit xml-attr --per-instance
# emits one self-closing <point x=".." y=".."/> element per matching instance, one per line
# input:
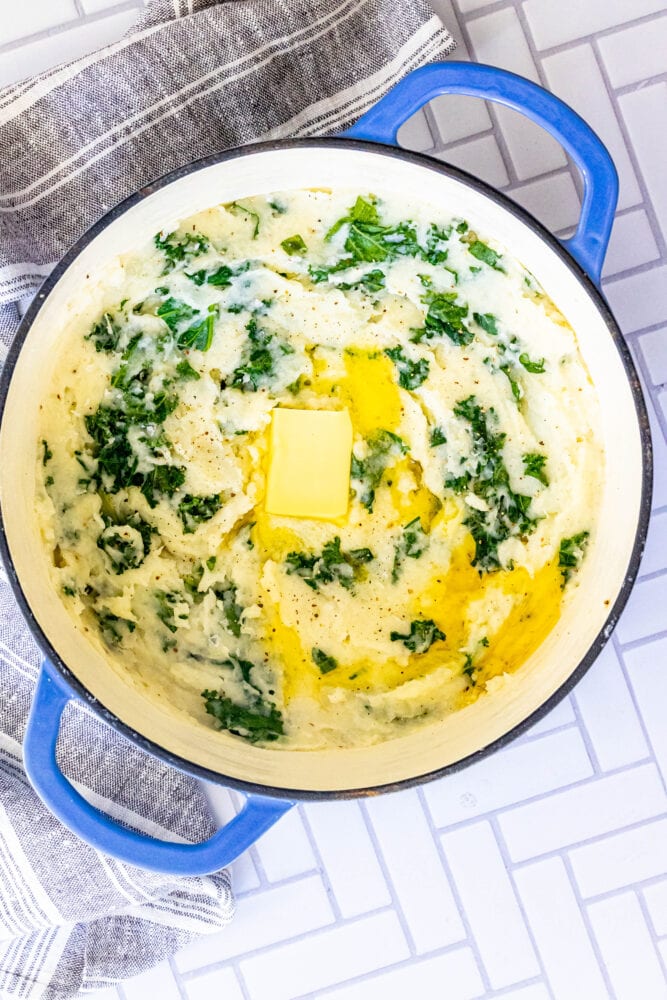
<point x="541" y="872"/>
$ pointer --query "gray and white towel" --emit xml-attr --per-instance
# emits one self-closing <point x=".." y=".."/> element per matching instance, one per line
<point x="193" y="77"/>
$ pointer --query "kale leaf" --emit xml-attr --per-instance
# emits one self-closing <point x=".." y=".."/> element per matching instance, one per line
<point x="534" y="466"/>
<point x="411" y="545"/>
<point x="193" y="510"/>
<point x="444" y="318"/>
<point x="332" y="566"/>
<point x="323" y="661"/>
<point x="534" y="367"/>
<point x="180" y="249"/>
<point x="570" y="554"/>
<point x="382" y="446"/>
<point x="423" y="633"/>
<point x="260" y="722"/>
<point x="411" y="374"/>
<point x="294" y="245"/>
<point x="484" y="253"/>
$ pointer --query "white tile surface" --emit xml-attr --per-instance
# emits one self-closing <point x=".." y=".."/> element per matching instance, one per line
<point x="457" y="971"/>
<point x="621" y="860"/>
<point x="355" y="876"/>
<point x="498" y="39"/>
<point x="420" y="884"/>
<point x="519" y="772"/>
<point x="553" y="22"/>
<point x="574" y="75"/>
<point x="341" y="953"/>
<point x="589" y="810"/>
<point x="627" y="949"/>
<point x="635" y="54"/>
<point x="613" y="725"/>
<point x="560" y="932"/>
<point x="644" y="112"/>
<point x="489" y="901"/>
<point x="355" y="903"/>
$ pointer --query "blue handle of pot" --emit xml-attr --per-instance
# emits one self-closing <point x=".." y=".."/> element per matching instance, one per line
<point x="105" y="834"/>
<point x="589" y="243"/>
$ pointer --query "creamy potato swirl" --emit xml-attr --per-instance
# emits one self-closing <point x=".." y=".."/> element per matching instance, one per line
<point x="475" y="472"/>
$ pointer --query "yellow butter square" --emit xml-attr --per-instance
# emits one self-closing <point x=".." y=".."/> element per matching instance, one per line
<point x="309" y="463"/>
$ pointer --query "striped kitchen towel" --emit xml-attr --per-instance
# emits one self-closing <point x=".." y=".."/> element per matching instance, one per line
<point x="193" y="77"/>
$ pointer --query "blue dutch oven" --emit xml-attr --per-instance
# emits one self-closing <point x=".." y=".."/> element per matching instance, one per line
<point x="366" y="156"/>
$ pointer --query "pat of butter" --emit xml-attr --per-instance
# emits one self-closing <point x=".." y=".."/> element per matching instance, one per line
<point x="309" y="463"/>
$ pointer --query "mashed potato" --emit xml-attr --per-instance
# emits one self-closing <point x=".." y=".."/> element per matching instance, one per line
<point x="475" y="470"/>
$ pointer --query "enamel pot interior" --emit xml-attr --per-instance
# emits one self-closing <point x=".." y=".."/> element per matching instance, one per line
<point x="607" y="571"/>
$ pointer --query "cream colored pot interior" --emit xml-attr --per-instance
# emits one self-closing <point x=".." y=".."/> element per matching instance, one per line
<point x="433" y="747"/>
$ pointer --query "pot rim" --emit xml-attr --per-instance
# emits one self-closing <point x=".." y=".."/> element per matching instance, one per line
<point x="641" y="530"/>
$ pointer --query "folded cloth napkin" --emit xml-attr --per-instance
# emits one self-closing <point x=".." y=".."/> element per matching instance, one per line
<point x="191" y="78"/>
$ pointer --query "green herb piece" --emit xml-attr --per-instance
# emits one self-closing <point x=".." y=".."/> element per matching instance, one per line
<point x="534" y="466"/>
<point x="199" y="337"/>
<point x="444" y="318"/>
<point x="259" y="363"/>
<point x="105" y="334"/>
<point x="369" y="240"/>
<point x="570" y="554"/>
<point x="294" y="245"/>
<point x="185" y="371"/>
<point x="412" y="544"/>
<point x="221" y="277"/>
<point x="163" y="480"/>
<point x="373" y="281"/>
<point x="534" y="367"/>
<point x="175" y="313"/>
<point x="488" y="322"/>
<point x="168" y="602"/>
<point x="423" y="633"/>
<point x="435" y="252"/>
<point x="112" y="627"/>
<point x="468" y="668"/>
<point x="383" y="446"/>
<point x="252" y="216"/>
<point x="47" y="454"/>
<point x="411" y="374"/>
<point x="180" y="249"/>
<point x="127" y="544"/>
<point x="210" y="563"/>
<point x="277" y="207"/>
<point x="506" y="513"/>
<point x="193" y="510"/>
<point x="515" y="386"/>
<point x="462" y="227"/>
<point x="324" y="662"/>
<point x="260" y="723"/>
<point x="484" y="253"/>
<point x="332" y="566"/>
<point x="437" y="437"/>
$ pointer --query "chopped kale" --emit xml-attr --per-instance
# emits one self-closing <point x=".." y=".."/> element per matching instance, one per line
<point x="220" y="277"/>
<point x="435" y="252"/>
<point x="468" y="668"/>
<point x="372" y="281"/>
<point x="106" y="334"/>
<point x="168" y="602"/>
<point x="126" y="544"/>
<point x="423" y="633"/>
<point x="411" y="545"/>
<point x="534" y="466"/>
<point x="484" y="253"/>
<point x="294" y="245"/>
<point x="226" y="595"/>
<point x="332" y="566"/>
<point x="112" y="627"/>
<point x="260" y="723"/>
<point x="210" y="563"/>
<point x="369" y="240"/>
<point x="185" y="371"/>
<point x="193" y="510"/>
<point x="487" y="321"/>
<point x="411" y="374"/>
<point x="252" y="216"/>
<point x="259" y="363"/>
<point x="47" y="454"/>
<point x="175" y="313"/>
<point x="323" y="661"/>
<point x="515" y="386"/>
<point x="570" y="554"/>
<point x="534" y="367"/>
<point x="505" y="514"/>
<point x="180" y="249"/>
<point x="383" y="446"/>
<point x="437" y="437"/>
<point x="444" y="318"/>
<point x="162" y="480"/>
<point x="199" y="336"/>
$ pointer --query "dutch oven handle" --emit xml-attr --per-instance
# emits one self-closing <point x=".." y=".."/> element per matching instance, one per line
<point x="105" y="834"/>
<point x="589" y="243"/>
